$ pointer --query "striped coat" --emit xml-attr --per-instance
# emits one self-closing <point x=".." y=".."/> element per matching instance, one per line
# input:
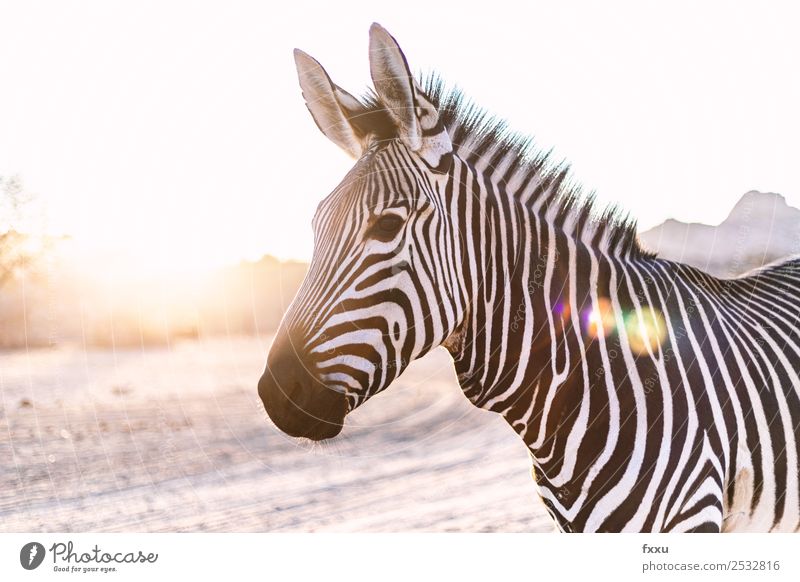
<point x="651" y="396"/>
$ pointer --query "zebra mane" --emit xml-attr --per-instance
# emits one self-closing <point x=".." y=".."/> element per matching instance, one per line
<point x="476" y="133"/>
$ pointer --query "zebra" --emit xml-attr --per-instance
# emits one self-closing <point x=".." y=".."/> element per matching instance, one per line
<point x="652" y="396"/>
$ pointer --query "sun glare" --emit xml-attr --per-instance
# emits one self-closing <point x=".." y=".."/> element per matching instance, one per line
<point x="646" y="331"/>
<point x="600" y="319"/>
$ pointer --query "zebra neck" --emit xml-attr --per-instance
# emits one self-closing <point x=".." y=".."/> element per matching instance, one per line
<point x="531" y="277"/>
<point x="514" y="270"/>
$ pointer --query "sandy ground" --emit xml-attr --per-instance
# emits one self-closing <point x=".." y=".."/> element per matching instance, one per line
<point x="176" y="439"/>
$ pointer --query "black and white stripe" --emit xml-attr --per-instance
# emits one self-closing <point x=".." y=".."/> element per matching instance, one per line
<point x="652" y="396"/>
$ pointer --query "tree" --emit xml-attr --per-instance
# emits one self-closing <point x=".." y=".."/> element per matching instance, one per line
<point x="16" y="250"/>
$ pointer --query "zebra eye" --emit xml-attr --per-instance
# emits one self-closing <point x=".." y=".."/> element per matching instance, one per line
<point x="390" y="223"/>
<point x="387" y="226"/>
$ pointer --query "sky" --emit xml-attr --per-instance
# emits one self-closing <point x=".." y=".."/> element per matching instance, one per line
<point x="174" y="136"/>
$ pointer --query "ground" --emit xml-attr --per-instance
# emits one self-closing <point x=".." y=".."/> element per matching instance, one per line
<point x="176" y="439"/>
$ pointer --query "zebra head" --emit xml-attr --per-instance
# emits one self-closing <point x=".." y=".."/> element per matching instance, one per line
<point x="379" y="291"/>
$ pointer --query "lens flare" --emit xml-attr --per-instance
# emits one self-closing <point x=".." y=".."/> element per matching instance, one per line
<point x="600" y="319"/>
<point x="561" y="310"/>
<point x="646" y="332"/>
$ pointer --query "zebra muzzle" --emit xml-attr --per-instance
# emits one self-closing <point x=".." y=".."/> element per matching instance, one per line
<point x="298" y="403"/>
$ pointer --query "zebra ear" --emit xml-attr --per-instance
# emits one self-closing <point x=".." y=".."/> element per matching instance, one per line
<point x="417" y="119"/>
<point x="330" y="105"/>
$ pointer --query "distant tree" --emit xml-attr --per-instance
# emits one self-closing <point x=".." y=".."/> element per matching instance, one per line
<point x="16" y="250"/>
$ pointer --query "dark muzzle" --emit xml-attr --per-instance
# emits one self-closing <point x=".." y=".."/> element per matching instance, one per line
<point x="295" y="400"/>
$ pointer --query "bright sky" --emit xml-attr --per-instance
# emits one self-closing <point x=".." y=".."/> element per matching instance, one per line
<point x="176" y="134"/>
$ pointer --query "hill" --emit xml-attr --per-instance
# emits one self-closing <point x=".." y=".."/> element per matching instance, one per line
<point x="760" y="229"/>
